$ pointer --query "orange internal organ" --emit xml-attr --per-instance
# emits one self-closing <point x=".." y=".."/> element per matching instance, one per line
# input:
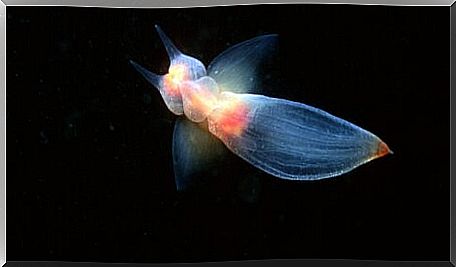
<point x="204" y="101"/>
<point x="198" y="100"/>
<point x="176" y="74"/>
<point x="231" y="117"/>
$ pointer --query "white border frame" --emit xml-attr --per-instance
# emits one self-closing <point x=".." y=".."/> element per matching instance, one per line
<point x="175" y="4"/>
<point x="206" y="3"/>
<point x="3" y="134"/>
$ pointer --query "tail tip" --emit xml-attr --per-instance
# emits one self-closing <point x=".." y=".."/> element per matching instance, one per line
<point x="383" y="150"/>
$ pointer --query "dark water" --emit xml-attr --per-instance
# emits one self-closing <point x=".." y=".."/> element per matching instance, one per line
<point x="89" y="164"/>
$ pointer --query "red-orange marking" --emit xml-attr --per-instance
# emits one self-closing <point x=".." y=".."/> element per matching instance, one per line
<point x="382" y="149"/>
<point x="232" y="120"/>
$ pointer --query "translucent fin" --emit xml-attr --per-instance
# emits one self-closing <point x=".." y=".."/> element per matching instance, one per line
<point x="291" y="140"/>
<point x="236" y="69"/>
<point x="196" y="154"/>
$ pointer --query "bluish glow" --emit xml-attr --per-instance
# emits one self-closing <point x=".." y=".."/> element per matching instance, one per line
<point x="286" y="139"/>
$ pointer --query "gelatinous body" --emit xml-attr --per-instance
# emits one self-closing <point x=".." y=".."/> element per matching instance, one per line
<point x="286" y="139"/>
<point x="199" y="98"/>
<point x="291" y="140"/>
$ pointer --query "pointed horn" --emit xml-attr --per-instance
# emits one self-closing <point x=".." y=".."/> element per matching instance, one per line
<point x="172" y="50"/>
<point x="151" y="77"/>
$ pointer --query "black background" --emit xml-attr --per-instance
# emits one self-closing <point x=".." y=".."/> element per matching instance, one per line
<point x="89" y="167"/>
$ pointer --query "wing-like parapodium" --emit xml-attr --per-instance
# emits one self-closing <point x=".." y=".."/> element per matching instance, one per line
<point x="195" y="152"/>
<point x="236" y="69"/>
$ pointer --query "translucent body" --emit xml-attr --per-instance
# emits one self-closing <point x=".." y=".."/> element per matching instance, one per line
<point x="291" y="140"/>
<point x="286" y="139"/>
<point x="199" y="98"/>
